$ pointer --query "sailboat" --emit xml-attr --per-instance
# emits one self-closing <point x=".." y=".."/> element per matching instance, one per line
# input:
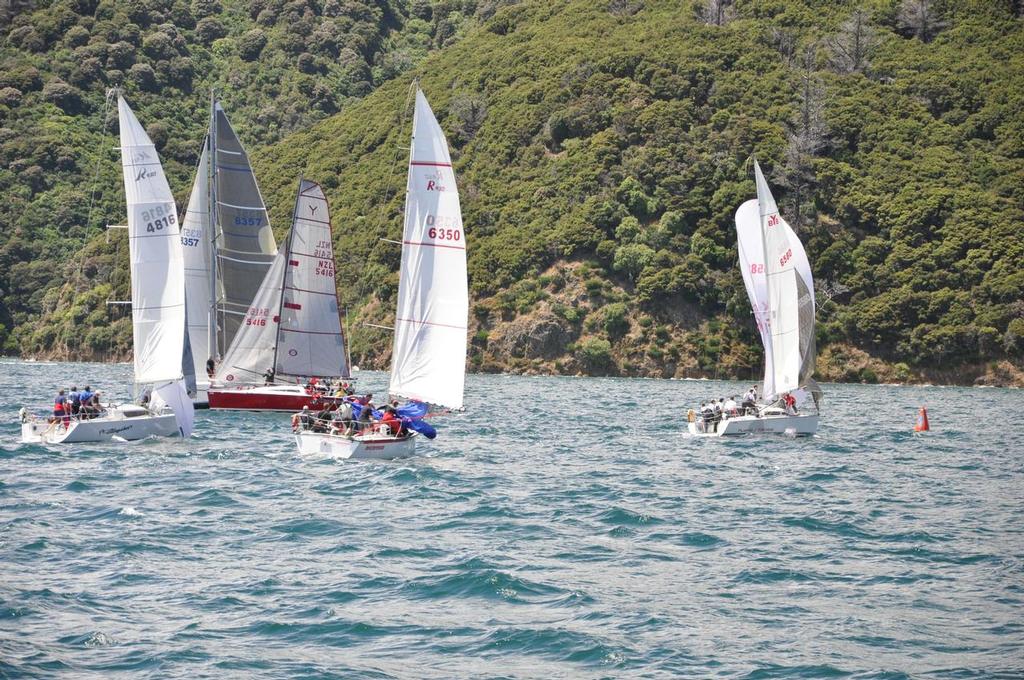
<point x="777" y="276"/>
<point x="228" y="246"/>
<point x="158" y="309"/>
<point x="428" y="359"/>
<point x="292" y="326"/>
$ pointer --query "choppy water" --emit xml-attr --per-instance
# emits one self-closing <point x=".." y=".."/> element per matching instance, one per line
<point x="543" y="535"/>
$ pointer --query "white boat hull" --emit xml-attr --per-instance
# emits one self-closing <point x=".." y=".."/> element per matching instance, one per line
<point x="129" y="423"/>
<point x="362" y="447"/>
<point x="802" y="425"/>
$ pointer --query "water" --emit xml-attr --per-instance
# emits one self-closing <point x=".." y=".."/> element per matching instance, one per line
<point x="542" y="535"/>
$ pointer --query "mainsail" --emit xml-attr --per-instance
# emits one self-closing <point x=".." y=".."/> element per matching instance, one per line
<point x="790" y="295"/>
<point x="428" y="361"/>
<point x="157" y="269"/>
<point x="750" y="244"/>
<point x="293" y="325"/>
<point x="159" y="332"/>
<point x="227" y="239"/>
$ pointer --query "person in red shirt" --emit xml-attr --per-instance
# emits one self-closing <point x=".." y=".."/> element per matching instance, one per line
<point x="391" y="420"/>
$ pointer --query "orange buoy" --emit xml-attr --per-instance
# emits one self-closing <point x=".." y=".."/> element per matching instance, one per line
<point x="922" y="421"/>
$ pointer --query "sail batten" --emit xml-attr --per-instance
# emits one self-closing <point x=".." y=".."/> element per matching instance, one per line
<point x="428" y="361"/>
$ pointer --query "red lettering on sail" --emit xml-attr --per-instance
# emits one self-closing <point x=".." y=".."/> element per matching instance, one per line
<point x="773" y="220"/>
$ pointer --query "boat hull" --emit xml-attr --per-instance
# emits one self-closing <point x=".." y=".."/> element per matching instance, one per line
<point x="370" y="447"/>
<point x="267" y="398"/>
<point x="116" y="424"/>
<point x="801" y="426"/>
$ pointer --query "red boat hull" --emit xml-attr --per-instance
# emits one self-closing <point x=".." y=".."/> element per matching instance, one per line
<point x="267" y="399"/>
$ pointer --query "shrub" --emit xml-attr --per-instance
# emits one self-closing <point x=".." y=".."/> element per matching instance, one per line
<point x="594" y="353"/>
<point x="615" y="322"/>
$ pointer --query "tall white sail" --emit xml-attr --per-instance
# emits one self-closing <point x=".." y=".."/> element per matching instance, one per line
<point x="293" y="324"/>
<point x="245" y="242"/>
<point x="428" y="361"/>
<point x="750" y="244"/>
<point x="790" y="294"/>
<point x="196" y="243"/>
<point x="310" y="339"/>
<point x="157" y="266"/>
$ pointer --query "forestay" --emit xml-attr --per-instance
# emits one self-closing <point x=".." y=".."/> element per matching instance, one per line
<point x="245" y="242"/>
<point x="790" y="290"/>
<point x="157" y="267"/>
<point x="293" y="324"/>
<point x="429" y="355"/>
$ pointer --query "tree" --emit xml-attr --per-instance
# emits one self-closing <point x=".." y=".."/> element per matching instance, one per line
<point x="920" y="18"/>
<point x="850" y="49"/>
<point x="716" y="12"/>
<point x="470" y="112"/>
<point x="806" y="138"/>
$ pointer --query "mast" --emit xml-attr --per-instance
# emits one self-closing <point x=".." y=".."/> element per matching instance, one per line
<point x="284" y="274"/>
<point x="211" y="178"/>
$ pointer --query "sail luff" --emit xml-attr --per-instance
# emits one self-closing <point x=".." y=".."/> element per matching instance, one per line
<point x="157" y="261"/>
<point x="428" y="360"/>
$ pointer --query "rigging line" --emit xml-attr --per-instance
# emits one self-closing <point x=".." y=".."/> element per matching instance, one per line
<point x="96" y="169"/>
<point x="409" y="98"/>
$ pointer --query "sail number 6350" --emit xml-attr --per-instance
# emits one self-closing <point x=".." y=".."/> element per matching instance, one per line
<point x="444" y="228"/>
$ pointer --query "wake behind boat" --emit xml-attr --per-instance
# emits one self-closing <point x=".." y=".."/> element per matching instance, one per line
<point x="428" y="358"/>
<point x="158" y="314"/>
<point x="777" y="276"/>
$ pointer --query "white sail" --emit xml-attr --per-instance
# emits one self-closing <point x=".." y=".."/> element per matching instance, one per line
<point x="245" y="242"/>
<point x="428" y="361"/>
<point x="174" y="395"/>
<point x="790" y="295"/>
<point x="293" y="325"/>
<point x="750" y="244"/>
<point x="252" y="351"/>
<point x="157" y="266"/>
<point x="196" y="243"/>
<point x="310" y="339"/>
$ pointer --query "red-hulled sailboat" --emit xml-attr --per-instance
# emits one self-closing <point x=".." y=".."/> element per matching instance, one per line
<point x="292" y="331"/>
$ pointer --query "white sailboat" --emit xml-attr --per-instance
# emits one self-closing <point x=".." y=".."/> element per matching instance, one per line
<point x="777" y="276"/>
<point x="158" y="309"/>
<point x="292" y="326"/>
<point x="228" y="246"/>
<point x="428" y="360"/>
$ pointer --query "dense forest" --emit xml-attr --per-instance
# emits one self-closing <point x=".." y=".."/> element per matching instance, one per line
<point x="601" y="148"/>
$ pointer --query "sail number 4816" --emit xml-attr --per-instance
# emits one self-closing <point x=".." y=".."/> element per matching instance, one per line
<point x="157" y="218"/>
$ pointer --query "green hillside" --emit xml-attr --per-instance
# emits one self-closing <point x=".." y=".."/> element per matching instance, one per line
<point x="602" y="148"/>
<point x="277" y="65"/>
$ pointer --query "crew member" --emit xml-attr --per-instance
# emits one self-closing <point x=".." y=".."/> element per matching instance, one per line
<point x="210" y="366"/>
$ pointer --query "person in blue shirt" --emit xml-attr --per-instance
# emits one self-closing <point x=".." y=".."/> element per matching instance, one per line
<point x="75" y="401"/>
<point x="85" y="397"/>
